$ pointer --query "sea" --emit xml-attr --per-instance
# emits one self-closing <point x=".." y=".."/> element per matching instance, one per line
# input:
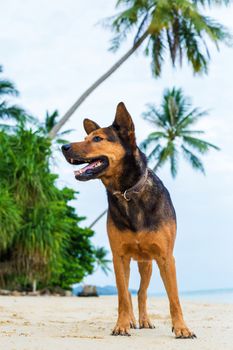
<point x="223" y="295"/>
<point x="208" y="296"/>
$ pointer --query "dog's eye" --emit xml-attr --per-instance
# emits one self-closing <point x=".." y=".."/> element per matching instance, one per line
<point x="97" y="139"/>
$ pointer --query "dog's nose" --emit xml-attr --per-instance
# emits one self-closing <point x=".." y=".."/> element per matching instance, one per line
<point x="66" y="147"/>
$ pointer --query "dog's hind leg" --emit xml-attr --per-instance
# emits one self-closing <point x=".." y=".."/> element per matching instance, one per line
<point x="168" y="274"/>
<point x="126" y="262"/>
<point x="145" y="270"/>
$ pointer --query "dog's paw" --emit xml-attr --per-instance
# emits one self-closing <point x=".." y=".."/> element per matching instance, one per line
<point x="123" y="326"/>
<point x="183" y="333"/>
<point x="121" y="330"/>
<point x="146" y="323"/>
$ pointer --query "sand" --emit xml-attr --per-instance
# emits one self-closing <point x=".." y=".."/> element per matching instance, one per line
<point x="67" y="323"/>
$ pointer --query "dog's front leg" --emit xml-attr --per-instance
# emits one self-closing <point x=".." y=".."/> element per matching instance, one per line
<point x="123" y="323"/>
<point x="126" y="263"/>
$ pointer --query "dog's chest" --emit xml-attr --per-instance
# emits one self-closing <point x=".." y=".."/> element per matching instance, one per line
<point x="136" y="251"/>
<point x="134" y="215"/>
<point x="140" y="248"/>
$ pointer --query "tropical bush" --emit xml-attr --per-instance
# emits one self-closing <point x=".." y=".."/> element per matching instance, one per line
<point x="40" y="235"/>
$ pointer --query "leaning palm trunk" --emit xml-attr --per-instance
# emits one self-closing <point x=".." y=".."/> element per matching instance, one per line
<point x="98" y="82"/>
<point x="98" y="218"/>
<point x="105" y="211"/>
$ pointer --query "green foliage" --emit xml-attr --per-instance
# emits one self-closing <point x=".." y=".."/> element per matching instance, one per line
<point x="174" y="118"/>
<point x="177" y="27"/>
<point x="10" y="218"/>
<point x="79" y="254"/>
<point x="40" y="234"/>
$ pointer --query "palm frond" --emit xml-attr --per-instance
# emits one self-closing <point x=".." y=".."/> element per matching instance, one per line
<point x="165" y="154"/>
<point x="61" y="141"/>
<point x="216" y="31"/>
<point x="66" y="132"/>
<point x="200" y="145"/>
<point x="193" y="160"/>
<point x="192" y="46"/>
<point x="50" y="120"/>
<point x="186" y="132"/>
<point x="155" y="116"/>
<point x="211" y="3"/>
<point x="174" y="161"/>
<point x="151" y="138"/>
<point x="173" y="39"/>
<point x="191" y="118"/>
<point x="157" y="51"/>
<point x="153" y="155"/>
<point x="13" y="112"/>
<point x="7" y="88"/>
<point x="142" y="27"/>
<point x="175" y="26"/>
<point x="155" y="135"/>
<point x="123" y="23"/>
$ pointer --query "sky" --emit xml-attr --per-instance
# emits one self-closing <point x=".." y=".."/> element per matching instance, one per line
<point x="53" y="50"/>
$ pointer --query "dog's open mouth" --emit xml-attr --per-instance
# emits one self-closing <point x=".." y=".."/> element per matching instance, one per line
<point x="92" y="169"/>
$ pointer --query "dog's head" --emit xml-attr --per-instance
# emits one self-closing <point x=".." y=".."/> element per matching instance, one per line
<point x="103" y="148"/>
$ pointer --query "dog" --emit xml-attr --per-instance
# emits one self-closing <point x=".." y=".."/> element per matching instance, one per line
<point x="141" y="221"/>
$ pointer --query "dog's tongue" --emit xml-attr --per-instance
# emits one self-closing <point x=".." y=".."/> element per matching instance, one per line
<point x="88" y="167"/>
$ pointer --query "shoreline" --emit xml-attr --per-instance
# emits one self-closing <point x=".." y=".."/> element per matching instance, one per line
<point x="70" y="323"/>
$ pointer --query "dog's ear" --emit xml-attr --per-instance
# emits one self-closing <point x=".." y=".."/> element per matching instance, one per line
<point x="90" y="126"/>
<point x="124" y="126"/>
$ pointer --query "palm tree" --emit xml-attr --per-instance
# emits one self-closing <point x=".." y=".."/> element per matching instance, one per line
<point x="175" y="27"/>
<point x="7" y="87"/>
<point x="50" y="122"/>
<point x="174" y="120"/>
<point x="8" y="111"/>
<point x="101" y="261"/>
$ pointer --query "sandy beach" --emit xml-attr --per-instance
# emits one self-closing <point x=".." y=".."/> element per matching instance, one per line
<point x="67" y="323"/>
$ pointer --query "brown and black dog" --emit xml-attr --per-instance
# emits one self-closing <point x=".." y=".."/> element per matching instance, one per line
<point x="141" y="221"/>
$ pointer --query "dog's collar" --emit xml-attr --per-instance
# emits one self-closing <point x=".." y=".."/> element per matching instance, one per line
<point x="128" y="194"/>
